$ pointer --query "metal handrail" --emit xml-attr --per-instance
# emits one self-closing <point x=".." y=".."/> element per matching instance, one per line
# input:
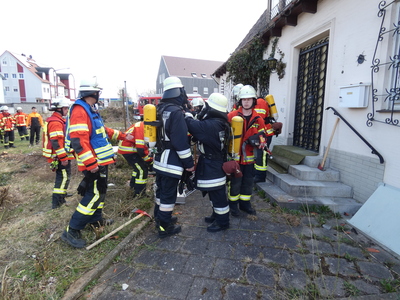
<point x="374" y="151"/>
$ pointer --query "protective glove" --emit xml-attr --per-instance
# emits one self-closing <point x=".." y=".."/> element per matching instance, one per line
<point x="277" y="126"/>
<point x="186" y="180"/>
<point x="82" y="187"/>
<point x="102" y="180"/>
<point x="188" y="115"/>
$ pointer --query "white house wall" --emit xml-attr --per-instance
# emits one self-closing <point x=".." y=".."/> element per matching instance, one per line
<point x="353" y="28"/>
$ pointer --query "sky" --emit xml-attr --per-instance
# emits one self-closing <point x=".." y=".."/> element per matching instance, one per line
<point x="121" y="42"/>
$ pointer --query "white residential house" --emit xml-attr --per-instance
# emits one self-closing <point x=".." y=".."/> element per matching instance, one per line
<point x="27" y="81"/>
<point x="342" y="58"/>
<point x="2" y="79"/>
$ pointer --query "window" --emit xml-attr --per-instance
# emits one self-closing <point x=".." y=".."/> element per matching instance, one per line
<point x="7" y="88"/>
<point x="21" y="76"/>
<point x="5" y="75"/>
<point x="194" y="74"/>
<point x="44" y="90"/>
<point x="195" y="90"/>
<point x="48" y="90"/>
<point x="203" y="75"/>
<point x="4" y="62"/>
<point x="386" y="67"/>
<point x="15" y="89"/>
<point x="205" y="91"/>
<point x="14" y="75"/>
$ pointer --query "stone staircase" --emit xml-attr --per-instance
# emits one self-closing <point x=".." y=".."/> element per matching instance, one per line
<point x="305" y="184"/>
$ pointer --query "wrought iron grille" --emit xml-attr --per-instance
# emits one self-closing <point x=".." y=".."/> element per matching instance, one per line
<point x="386" y="95"/>
<point x="310" y="95"/>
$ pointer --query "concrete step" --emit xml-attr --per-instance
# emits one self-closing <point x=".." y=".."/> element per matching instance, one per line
<point x="304" y="172"/>
<point x="314" y="161"/>
<point x="342" y="205"/>
<point x="308" y="188"/>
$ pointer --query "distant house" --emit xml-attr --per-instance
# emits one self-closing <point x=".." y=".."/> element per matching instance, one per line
<point x="27" y="81"/>
<point x="2" y="79"/>
<point x="195" y="74"/>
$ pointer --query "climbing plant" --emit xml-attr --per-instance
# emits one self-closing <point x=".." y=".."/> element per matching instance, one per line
<point x="247" y="65"/>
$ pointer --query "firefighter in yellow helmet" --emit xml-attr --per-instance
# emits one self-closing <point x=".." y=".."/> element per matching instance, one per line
<point x="211" y="131"/>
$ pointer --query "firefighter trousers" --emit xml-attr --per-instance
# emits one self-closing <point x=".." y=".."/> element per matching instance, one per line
<point x="139" y="174"/>
<point x="90" y="209"/>
<point x="63" y="176"/>
<point x="241" y="188"/>
<point x="220" y="205"/>
<point x="166" y="193"/>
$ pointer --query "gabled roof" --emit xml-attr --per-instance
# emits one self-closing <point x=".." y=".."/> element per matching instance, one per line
<point x="184" y="67"/>
<point x="29" y="63"/>
<point x="266" y="27"/>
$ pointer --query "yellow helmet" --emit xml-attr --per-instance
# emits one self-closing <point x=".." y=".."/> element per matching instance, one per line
<point x="218" y="102"/>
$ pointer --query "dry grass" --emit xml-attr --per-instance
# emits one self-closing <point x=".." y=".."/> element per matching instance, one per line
<point x="34" y="262"/>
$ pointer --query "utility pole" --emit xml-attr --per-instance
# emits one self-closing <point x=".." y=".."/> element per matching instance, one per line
<point x="123" y="105"/>
<point x="127" y="106"/>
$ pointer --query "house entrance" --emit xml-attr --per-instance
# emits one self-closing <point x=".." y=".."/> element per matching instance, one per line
<point x="310" y="95"/>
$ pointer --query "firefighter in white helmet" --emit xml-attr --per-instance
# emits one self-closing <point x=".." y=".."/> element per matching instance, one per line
<point x="54" y="151"/>
<point x="241" y="188"/>
<point x="90" y="141"/>
<point x="197" y="104"/>
<point x="173" y="156"/>
<point x="211" y="131"/>
<point x="1" y="130"/>
<point x="21" y="123"/>
<point x="7" y="123"/>
<point x="235" y="93"/>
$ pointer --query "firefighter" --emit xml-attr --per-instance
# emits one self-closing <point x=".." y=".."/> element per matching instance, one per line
<point x="87" y="136"/>
<point x="241" y="188"/>
<point x="235" y="93"/>
<point x="197" y="104"/>
<point x="1" y="130"/>
<point x="260" y="163"/>
<point x="173" y="155"/>
<point x="54" y="151"/>
<point x="35" y="122"/>
<point x="20" y="122"/>
<point x="7" y="123"/>
<point x="136" y="153"/>
<point x="211" y="131"/>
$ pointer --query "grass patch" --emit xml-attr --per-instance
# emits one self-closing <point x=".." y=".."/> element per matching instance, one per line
<point x="35" y="263"/>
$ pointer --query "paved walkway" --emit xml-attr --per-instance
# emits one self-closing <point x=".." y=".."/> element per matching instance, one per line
<point x="267" y="257"/>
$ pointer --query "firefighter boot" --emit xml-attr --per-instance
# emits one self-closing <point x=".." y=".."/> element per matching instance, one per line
<point x="215" y="227"/>
<point x="73" y="237"/>
<point x="167" y="229"/>
<point x="246" y="207"/>
<point x="210" y="219"/>
<point x="233" y="207"/>
<point x="174" y="220"/>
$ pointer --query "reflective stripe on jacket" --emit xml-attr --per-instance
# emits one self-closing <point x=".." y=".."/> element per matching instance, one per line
<point x="54" y="139"/>
<point x="87" y="135"/>
<point x="255" y="126"/>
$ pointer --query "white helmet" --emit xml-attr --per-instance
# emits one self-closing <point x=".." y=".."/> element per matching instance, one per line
<point x="60" y="103"/>
<point x="172" y="87"/>
<point x="19" y="108"/>
<point x="218" y="102"/>
<point x="4" y="107"/>
<point x="89" y="88"/>
<point x="197" y="102"/>
<point x="247" y="92"/>
<point x="236" y="89"/>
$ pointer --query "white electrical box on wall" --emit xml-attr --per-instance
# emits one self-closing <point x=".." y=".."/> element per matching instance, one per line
<point x="354" y="96"/>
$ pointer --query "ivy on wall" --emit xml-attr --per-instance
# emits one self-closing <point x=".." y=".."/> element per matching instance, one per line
<point x="247" y="65"/>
